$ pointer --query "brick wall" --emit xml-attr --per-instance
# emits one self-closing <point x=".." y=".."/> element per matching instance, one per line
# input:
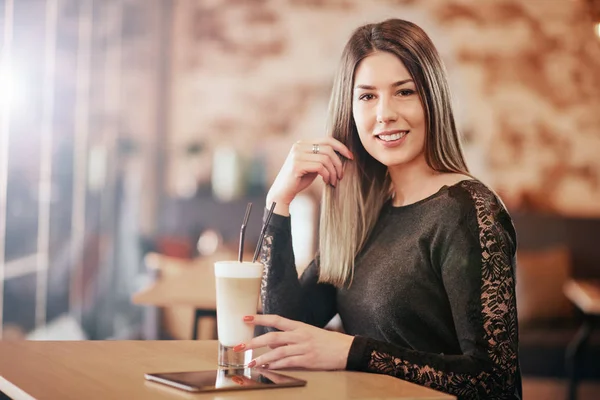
<point x="525" y="76"/>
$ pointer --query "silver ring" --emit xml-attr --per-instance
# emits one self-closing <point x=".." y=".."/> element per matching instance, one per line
<point x="315" y="149"/>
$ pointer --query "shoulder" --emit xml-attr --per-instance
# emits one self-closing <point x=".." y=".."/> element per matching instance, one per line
<point x="481" y="206"/>
<point x="473" y="193"/>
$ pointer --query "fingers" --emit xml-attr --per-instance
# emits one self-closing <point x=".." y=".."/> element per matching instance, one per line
<point x="338" y="146"/>
<point x="273" y="321"/>
<point x="288" y="362"/>
<point x="277" y="355"/>
<point x="271" y="339"/>
<point x="317" y="168"/>
<point x="333" y="172"/>
<point x="325" y="141"/>
<point x="306" y="161"/>
<point x="328" y="155"/>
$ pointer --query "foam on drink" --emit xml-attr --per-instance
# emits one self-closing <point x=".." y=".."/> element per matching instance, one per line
<point x="241" y="270"/>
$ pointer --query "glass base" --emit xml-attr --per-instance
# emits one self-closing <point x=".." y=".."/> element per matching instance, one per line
<point x="231" y="359"/>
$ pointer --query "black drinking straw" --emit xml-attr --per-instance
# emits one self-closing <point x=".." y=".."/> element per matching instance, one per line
<point x="243" y="232"/>
<point x="262" y="232"/>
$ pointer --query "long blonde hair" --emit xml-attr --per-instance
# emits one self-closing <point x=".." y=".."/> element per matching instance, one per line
<point x="350" y="211"/>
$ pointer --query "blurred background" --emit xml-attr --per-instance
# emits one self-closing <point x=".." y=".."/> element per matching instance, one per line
<point x="134" y="132"/>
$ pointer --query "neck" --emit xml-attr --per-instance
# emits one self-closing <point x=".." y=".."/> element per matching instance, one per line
<point x="412" y="182"/>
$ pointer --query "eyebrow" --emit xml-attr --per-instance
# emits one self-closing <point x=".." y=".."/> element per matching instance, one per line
<point x="395" y="84"/>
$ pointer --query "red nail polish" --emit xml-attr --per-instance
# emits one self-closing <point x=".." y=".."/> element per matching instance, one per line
<point x="248" y="318"/>
<point x="251" y="364"/>
<point x="237" y="380"/>
<point x="239" y="347"/>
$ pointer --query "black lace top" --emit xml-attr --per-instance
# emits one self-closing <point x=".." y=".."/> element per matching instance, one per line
<point x="433" y="295"/>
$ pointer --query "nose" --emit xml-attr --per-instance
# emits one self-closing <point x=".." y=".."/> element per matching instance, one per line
<point x="385" y="112"/>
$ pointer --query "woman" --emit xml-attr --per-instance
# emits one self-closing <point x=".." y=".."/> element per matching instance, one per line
<point x="416" y="256"/>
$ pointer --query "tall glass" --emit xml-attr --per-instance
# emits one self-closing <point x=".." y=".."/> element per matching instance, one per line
<point x="238" y="288"/>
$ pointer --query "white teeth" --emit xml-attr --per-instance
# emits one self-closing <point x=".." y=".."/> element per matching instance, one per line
<point x="395" y="136"/>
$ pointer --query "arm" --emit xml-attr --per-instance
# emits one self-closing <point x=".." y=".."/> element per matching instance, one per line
<point x="282" y="293"/>
<point x="477" y="269"/>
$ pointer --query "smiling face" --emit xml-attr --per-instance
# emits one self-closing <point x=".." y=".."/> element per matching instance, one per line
<point x="388" y="112"/>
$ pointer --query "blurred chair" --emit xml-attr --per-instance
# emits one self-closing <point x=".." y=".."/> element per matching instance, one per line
<point x="551" y="250"/>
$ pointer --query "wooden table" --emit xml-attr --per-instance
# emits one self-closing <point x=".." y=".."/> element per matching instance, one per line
<point x="585" y="294"/>
<point x="115" y="370"/>
<point x="181" y="283"/>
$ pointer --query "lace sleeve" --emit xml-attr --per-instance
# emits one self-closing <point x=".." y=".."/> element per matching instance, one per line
<point x="478" y="274"/>
<point x="282" y="292"/>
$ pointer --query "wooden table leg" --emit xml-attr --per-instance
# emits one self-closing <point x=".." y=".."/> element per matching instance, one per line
<point x="575" y="349"/>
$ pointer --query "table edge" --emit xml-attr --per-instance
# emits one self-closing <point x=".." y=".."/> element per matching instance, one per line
<point x="13" y="391"/>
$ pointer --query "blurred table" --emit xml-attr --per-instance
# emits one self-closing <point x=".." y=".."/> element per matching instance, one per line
<point x="115" y="370"/>
<point x="585" y="295"/>
<point x="181" y="282"/>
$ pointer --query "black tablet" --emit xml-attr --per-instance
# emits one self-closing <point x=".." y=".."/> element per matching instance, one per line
<point x="224" y="379"/>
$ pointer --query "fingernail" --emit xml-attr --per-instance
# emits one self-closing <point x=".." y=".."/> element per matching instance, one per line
<point x="252" y="364"/>
<point x="237" y="380"/>
<point x="239" y="347"/>
<point x="248" y="318"/>
<point x="351" y="156"/>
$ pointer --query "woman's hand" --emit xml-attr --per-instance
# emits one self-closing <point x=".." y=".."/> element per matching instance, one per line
<point x="303" y="164"/>
<point x="298" y="345"/>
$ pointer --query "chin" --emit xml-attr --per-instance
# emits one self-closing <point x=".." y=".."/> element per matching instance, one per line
<point x="391" y="161"/>
<point x="399" y="160"/>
